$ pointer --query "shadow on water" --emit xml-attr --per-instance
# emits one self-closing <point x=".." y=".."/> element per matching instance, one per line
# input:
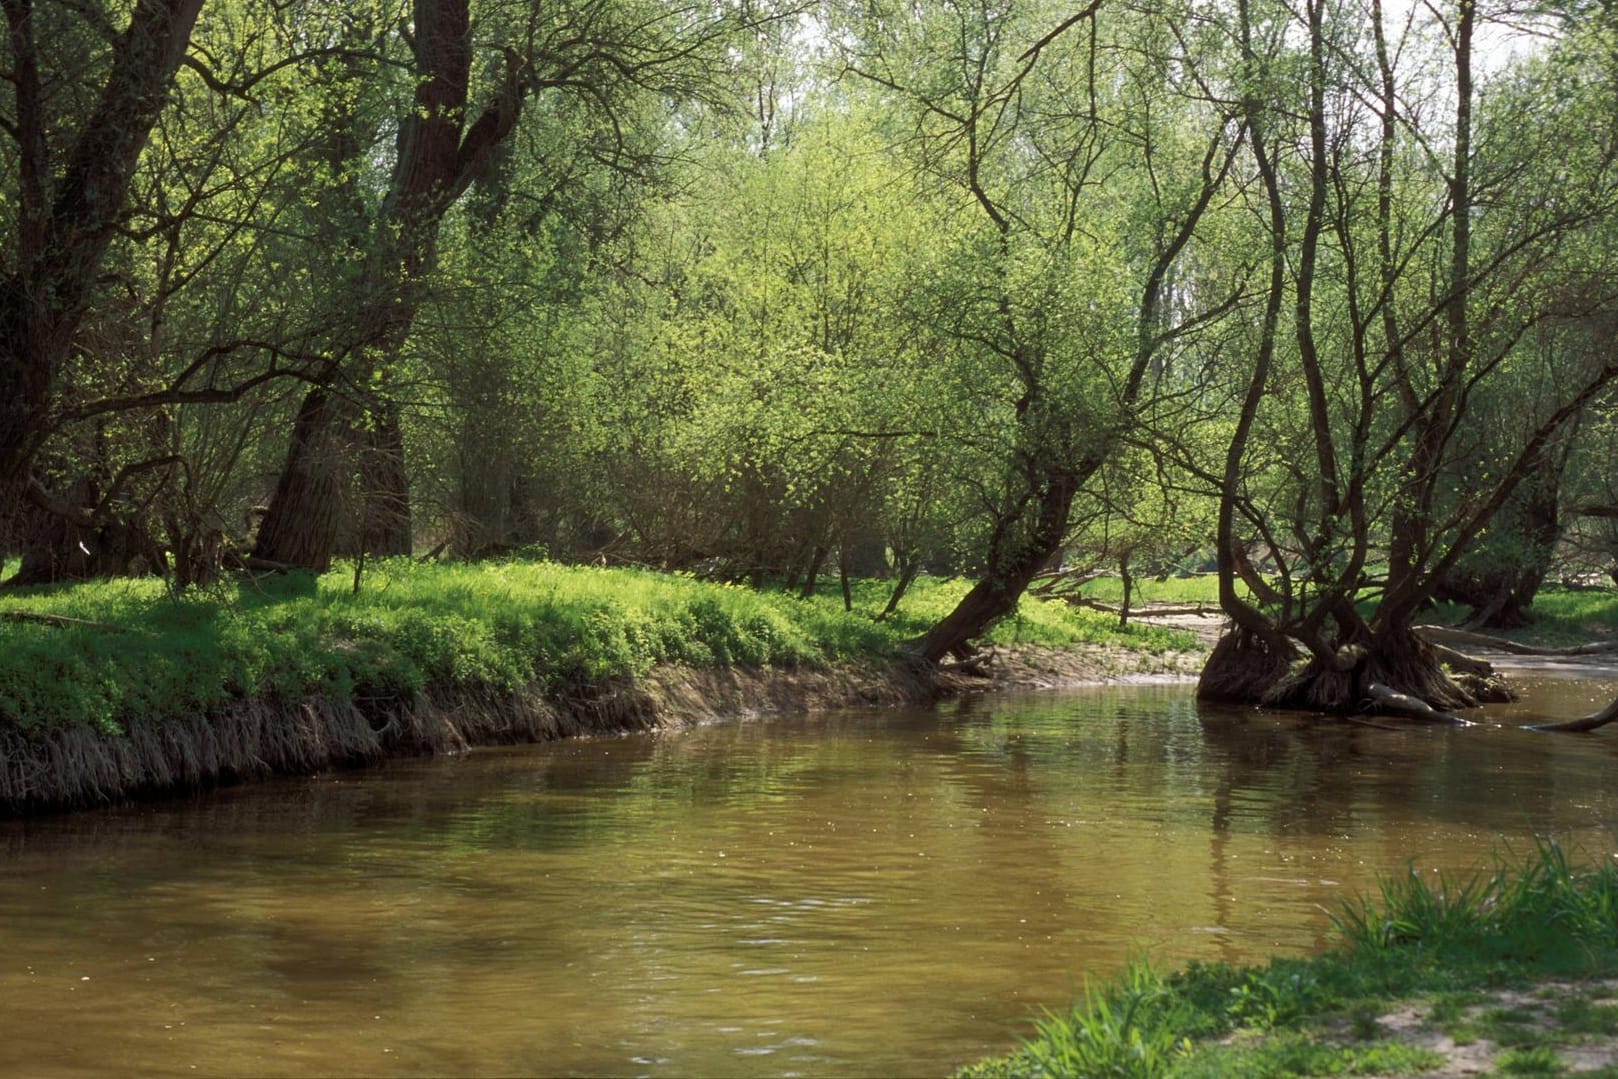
<point x="865" y="892"/>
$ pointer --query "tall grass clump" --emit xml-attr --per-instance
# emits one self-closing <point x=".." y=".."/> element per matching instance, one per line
<point x="1526" y="917"/>
<point x="1538" y="911"/>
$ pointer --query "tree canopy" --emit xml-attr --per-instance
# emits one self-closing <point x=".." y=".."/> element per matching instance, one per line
<point x="1317" y="295"/>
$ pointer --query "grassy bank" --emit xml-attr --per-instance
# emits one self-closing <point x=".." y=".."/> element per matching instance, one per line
<point x="1499" y="973"/>
<point x="526" y="646"/>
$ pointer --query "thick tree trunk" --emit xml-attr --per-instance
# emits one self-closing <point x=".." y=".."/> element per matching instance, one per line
<point x="1246" y="668"/>
<point x="439" y="154"/>
<point x="1008" y="573"/>
<point x="385" y="488"/>
<point x="66" y="221"/>
<point x="315" y="491"/>
<point x="57" y="548"/>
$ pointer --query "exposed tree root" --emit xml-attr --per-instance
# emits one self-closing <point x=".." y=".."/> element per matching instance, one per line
<point x="1412" y="680"/>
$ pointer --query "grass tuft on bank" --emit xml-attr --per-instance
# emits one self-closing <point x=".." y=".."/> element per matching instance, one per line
<point x="413" y="629"/>
<point x="1445" y="943"/>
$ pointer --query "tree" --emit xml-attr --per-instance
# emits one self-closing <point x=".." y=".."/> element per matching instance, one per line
<point x="599" y="51"/>
<point x="73" y="172"/>
<point x="1087" y="152"/>
<point x="1412" y="254"/>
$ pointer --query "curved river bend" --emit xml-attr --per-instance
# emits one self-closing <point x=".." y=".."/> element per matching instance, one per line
<point x="857" y="893"/>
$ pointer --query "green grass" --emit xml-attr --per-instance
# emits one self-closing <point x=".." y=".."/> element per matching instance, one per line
<point x="1442" y="941"/>
<point x="414" y="628"/>
<point x="1562" y="616"/>
<point x="1200" y="588"/>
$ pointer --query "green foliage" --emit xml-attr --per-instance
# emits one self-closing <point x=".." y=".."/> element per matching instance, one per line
<point x="1291" y="1053"/>
<point x="1532" y="917"/>
<point x="415" y="628"/>
<point x="1541" y="913"/>
<point x="1121" y="1032"/>
<point x="1536" y="1061"/>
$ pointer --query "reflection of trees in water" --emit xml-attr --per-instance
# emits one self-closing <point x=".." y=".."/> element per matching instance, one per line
<point x="1301" y="776"/>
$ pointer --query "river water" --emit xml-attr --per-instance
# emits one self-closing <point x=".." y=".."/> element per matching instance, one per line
<point x="873" y="892"/>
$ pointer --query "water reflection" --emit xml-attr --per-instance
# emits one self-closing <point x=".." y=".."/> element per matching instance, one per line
<point x="870" y="892"/>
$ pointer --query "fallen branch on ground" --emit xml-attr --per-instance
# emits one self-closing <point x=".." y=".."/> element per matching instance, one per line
<point x="60" y="621"/>
<point x="1200" y="609"/>
<point x="1451" y="635"/>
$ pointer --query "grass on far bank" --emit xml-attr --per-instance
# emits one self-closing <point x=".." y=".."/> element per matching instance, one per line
<point x="1562" y="615"/>
<point x="1460" y="950"/>
<point x="413" y="628"/>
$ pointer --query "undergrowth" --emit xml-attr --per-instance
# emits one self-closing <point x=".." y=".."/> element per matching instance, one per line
<point x="1530" y="918"/>
<point x="413" y="628"/>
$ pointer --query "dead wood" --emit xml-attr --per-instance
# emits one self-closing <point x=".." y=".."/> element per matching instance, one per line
<point x="60" y="621"/>
<point x="1202" y="610"/>
<point x="1049" y="582"/>
<point x="975" y="665"/>
<point x="1451" y="635"/>
<point x="1591" y="722"/>
<point x="1388" y="700"/>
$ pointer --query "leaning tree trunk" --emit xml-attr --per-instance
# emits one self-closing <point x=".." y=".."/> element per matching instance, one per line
<point x="1011" y="568"/>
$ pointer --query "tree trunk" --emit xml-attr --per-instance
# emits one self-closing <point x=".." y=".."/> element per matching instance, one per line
<point x="908" y="565"/>
<point x="66" y="221"/>
<point x="314" y="493"/>
<point x="1246" y="668"/>
<point x="439" y="154"/>
<point x="1008" y="572"/>
<point x="385" y="488"/>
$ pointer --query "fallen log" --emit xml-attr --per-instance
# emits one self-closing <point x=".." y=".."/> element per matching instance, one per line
<point x="61" y="621"/>
<point x="1387" y="699"/>
<point x="1200" y="609"/>
<point x="1577" y="726"/>
<point x="1451" y="635"/>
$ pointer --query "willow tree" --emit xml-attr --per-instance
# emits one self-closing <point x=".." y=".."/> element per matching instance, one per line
<point x="601" y="52"/>
<point x="1416" y="232"/>
<point x="1080" y="153"/>
<point x="82" y="99"/>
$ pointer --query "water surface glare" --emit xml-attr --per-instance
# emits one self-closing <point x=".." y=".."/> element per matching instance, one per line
<point x="858" y="893"/>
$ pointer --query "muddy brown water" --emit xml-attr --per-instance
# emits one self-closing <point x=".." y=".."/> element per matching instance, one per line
<point x="859" y="893"/>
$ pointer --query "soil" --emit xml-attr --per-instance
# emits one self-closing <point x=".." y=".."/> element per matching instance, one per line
<point x="1533" y="1020"/>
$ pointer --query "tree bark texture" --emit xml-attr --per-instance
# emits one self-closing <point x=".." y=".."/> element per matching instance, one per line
<point x="66" y="221"/>
<point x="1011" y="567"/>
<point x="439" y="155"/>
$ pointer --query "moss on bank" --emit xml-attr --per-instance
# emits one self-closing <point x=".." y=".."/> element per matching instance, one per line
<point x="123" y="687"/>
<point x="1506" y="972"/>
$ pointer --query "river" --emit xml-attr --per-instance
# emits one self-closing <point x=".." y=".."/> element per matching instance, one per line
<point x="871" y="892"/>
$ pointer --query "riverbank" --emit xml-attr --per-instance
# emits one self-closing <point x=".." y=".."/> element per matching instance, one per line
<point x="1509" y="972"/>
<point x="113" y="689"/>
